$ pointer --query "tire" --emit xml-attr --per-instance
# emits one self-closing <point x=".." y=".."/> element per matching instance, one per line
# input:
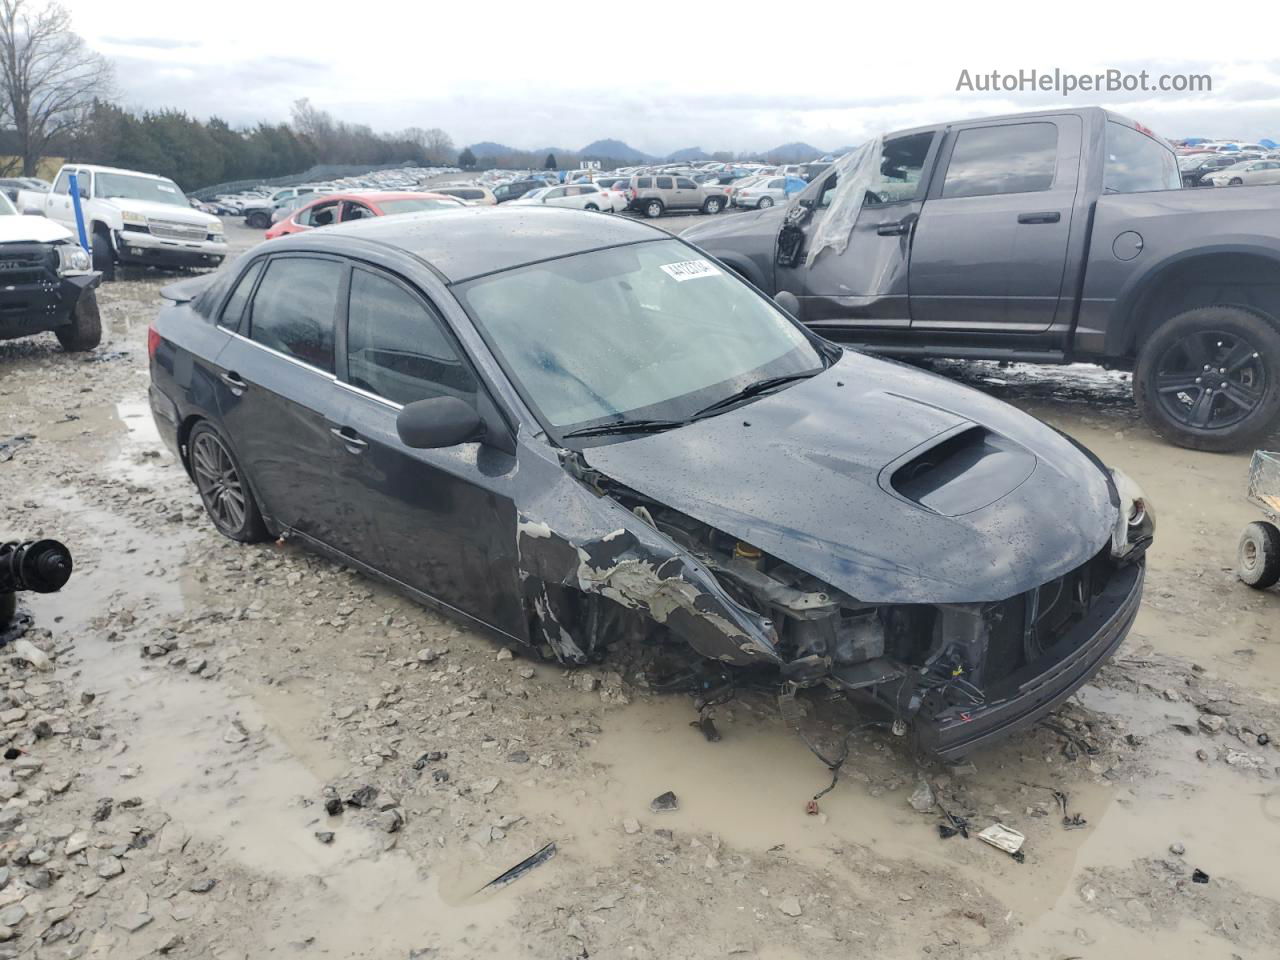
<point x="592" y="207"/>
<point x="713" y="205"/>
<point x="104" y="258"/>
<point x="1258" y="556"/>
<point x="223" y="486"/>
<point x="1235" y="182"/>
<point x="765" y="203"/>
<point x="8" y="608"/>
<point x="85" y="330"/>
<point x="258" y="221"/>
<point x="1179" y="378"/>
<point x="653" y="209"/>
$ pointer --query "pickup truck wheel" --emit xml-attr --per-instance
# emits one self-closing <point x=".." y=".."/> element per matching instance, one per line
<point x="713" y="205"/>
<point x="653" y="209"/>
<point x="1209" y="378"/>
<point x="1258" y="556"/>
<point x="104" y="260"/>
<point x="85" y="330"/>
<point x="258" y="221"/>
<point x="765" y="203"/>
<point x="224" y="491"/>
<point x="8" y="608"/>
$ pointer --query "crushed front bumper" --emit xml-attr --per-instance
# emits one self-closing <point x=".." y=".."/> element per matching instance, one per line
<point x="138" y="247"/>
<point x="1078" y="654"/>
<point x="33" y="298"/>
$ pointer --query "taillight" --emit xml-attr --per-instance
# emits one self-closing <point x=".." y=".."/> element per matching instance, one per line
<point x="153" y="342"/>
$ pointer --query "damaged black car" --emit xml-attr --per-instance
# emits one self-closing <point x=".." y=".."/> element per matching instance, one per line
<point x="568" y="429"/>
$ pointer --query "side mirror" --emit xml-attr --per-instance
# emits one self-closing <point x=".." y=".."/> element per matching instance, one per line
<point x="788" y="302"/>
<point x="438" y="422"/>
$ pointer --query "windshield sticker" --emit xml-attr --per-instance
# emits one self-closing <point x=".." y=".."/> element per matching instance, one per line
<point x="690" y="270"/>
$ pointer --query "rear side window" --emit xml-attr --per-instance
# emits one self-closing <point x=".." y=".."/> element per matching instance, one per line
<point x="1015" y="158"/>
<point x="684" y="184"/>
<point x="397" y="347"/>
<point x="664" y="183"/>
<point x="294" y="308"/>
<point x="233" y="312"/>
<point x="1137" y="163"/>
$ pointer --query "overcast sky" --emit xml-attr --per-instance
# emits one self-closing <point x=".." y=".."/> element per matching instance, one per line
<point x="830" y="76"/>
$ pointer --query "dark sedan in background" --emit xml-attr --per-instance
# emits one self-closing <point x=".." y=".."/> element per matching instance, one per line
<point x="568" y="429"/>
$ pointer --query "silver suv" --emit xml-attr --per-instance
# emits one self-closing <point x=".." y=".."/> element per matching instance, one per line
<point x="654" y="194"/>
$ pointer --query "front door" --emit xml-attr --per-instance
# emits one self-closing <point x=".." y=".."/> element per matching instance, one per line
<point x="443" y="520"/>
<point x="990" y="249"/>
<point x="277" y="391"/>
<point x="866" y="285"/>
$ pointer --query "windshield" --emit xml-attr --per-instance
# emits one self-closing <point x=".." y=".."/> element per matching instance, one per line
<point x="127" y="187"/>
<point x="645" y="331"/>
<point x="414" y="204"/>
<point x="7" y="209"/>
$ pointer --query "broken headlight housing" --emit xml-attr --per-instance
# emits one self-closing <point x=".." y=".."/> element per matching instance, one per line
<point x="73" y="260"/>
<point x="1136" y="524"/>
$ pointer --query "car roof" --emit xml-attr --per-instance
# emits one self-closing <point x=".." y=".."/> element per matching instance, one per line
<point x="472" y="241"/>
<point x="373" y="196"/>
<point x="94" y="168"/>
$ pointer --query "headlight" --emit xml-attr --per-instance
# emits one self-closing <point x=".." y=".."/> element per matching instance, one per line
<point x="128" y="216"/>
<point x="72" y="260"/>
<point x="1137" y="519"/>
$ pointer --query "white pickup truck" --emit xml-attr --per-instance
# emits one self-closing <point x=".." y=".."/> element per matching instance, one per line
<point x="131" y="217"/>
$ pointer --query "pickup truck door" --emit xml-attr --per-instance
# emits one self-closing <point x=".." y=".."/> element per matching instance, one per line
<point x="866" y="285"/>
<point x="990" y="249"/>
<point x="58" y="202"/>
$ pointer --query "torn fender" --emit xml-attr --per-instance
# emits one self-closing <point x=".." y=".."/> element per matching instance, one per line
<point x="638" y="568"/>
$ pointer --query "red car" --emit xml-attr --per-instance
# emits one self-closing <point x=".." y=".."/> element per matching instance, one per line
<point x="330" y="208"/>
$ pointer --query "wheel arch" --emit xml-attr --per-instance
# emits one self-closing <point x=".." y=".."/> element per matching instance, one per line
<point x="1242" y="275"/>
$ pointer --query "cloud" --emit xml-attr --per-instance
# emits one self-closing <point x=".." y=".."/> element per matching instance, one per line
<point x="153" y="43"/>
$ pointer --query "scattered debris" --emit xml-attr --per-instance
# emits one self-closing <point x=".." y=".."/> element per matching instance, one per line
<point x="1199" y="876"/>
<point x="922" y="799"/>
<point x="1003" y="838"/>
<point x="790" y="906"/>
<point x="10" y="445"/>
<point x="523" y="867"/>
<point x="708" y="728"/>
<point x="664" y="803"/>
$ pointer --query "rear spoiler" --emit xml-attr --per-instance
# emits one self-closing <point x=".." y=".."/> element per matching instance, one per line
<point x="186" y="290"/>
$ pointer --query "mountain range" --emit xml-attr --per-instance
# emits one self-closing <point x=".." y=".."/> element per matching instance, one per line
<point x="623" y="153"/>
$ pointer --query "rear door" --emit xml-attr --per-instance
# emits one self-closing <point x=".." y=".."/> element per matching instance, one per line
<point x="865" y="287"/>
<point x="443" y="520"/>
<point x="278" y="394"/>
<point x="990" y="249"/>
<point x="688" y="194"/>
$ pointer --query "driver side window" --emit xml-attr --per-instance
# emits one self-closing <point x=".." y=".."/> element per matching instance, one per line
<point x="901" y="165"/>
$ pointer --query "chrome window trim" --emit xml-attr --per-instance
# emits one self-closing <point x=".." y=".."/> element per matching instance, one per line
<point x="371" y="395"/>
<point x="283" y="356"/>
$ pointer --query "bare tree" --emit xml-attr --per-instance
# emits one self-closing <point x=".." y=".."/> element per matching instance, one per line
<point x="49" y="78"/>
<point x="436" y="145"/>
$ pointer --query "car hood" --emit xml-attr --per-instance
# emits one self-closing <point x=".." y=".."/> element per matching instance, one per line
<point x="729" y="226"/>
<point x="813" y="475"/>
<point x="165" y="211"/>
<point x="22" y="229"/>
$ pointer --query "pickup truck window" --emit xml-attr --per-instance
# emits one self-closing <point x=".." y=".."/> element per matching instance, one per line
<point x="1012" y="158"/>
<point x="128" y="187"/>
<point x="901" y="164"/>
<point x="63" y="184"/>
<point x="1137" y="163"/>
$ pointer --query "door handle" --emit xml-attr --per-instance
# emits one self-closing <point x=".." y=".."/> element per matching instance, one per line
<point x="348" y="437"/>
<point x="1047" y="216"/>
<point x="899" y="228"/>
<point x="233" y="381"/>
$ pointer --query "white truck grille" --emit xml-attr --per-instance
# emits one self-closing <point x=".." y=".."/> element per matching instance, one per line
<point x="176" y="230"/>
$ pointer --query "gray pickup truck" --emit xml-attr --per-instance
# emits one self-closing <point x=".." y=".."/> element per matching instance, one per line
<point x="1053" y="237"/>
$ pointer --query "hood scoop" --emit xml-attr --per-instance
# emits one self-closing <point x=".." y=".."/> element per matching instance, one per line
<point x="963" y="470"/>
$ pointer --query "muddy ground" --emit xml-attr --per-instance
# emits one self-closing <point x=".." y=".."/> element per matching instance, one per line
<point x="206" y="703"/>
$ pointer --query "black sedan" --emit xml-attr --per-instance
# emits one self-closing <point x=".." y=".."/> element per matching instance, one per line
<point x="565" y="429"/>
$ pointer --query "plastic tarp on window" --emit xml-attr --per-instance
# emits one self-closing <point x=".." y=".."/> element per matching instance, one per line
<point x="855" y="172"/>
